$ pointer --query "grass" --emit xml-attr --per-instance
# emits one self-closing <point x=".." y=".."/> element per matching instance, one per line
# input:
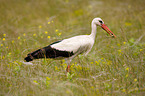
<point x="113" y="67"/>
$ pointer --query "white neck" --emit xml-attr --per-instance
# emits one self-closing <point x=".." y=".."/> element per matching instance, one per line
<point x="93" y="33"/>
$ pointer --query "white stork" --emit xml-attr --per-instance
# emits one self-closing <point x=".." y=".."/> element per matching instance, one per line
<point x="71" y="47"/>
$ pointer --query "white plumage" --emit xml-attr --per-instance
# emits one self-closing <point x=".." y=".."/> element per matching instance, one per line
<point x="77" y="44"/>
<point x="71" y="47"/>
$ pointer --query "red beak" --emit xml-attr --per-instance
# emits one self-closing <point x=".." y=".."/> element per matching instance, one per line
<point x="108" y="30"/>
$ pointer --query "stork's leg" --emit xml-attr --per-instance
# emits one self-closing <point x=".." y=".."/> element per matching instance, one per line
<point x="68" y="66"/>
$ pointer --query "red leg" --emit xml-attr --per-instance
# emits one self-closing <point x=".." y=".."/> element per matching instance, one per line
<point x="68" y="68"/>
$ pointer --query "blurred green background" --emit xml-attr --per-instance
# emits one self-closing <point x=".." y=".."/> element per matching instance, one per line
<point x="114" y="66"/>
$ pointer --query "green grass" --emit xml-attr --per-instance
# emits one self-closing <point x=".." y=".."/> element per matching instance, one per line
<point x="113" y="67"/>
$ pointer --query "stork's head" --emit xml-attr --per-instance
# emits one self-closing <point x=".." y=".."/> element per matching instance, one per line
<point x="100" y="22"/>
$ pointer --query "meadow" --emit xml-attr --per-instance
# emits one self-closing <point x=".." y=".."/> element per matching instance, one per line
<point x="114" y="67"/>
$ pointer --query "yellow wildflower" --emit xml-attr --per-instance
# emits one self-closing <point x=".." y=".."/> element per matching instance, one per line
<point x="63" y="60"/>
<point x="1" y="44"/>
<point x="4" y="35"/>
<point x="72" y="64"/>
<point x="92" y="62"/>
<point x="109" y="62"/>
<point x="127" y="69"/>
<point x="12" y="41"/>
<point x="52" y="21"/>
<point x="59" y="34"/>
<point x="24" y="34"/>
<point x="140" y="50"/>
<point x="126" y="75"/>
<point x="4" y="39"/>
<point x="7" y="47"/>
<point x="97" y="62"/>
<point x="9" y="54"/>
<point x="47" y="78"/>
<point x="56" y="30"/>
<point x="135" y="80"/>
<point x="124" y="43"/>
<point x="40" y="26"/>
<point x="48" y="22"/>
<point x="123" y="90"/>
<point x="56" y="68"/>
<point x="48" y="37"/>
<point x="46" y="32"/>
<point x="92" y="87"/>
<point x="34" y="35"/>
<point x="35" y="82"/>
<point x="3" y="57"/>
<point x="19" y="37"/>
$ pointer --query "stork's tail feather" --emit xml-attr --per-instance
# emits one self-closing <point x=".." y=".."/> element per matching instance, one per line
<point x="29" y="58"/>
<point x="40" y="53"/>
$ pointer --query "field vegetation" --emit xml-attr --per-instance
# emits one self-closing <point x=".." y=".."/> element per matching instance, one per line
<point x="113" y="67"/>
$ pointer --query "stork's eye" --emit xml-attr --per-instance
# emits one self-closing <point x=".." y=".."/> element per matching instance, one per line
<point x="100" y="21"/>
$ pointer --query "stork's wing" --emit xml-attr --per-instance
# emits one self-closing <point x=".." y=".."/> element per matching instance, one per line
<point x="74" y="44"/>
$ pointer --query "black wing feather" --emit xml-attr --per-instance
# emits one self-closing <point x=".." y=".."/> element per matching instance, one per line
<point x="48" y="52"/>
